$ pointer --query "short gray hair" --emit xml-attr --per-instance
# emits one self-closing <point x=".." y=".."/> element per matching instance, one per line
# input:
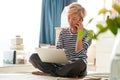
<point x="77" y="9"/>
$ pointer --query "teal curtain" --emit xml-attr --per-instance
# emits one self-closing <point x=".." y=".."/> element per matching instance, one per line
<point x="50" y="18"/>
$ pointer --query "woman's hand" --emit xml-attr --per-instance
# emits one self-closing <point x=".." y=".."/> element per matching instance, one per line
<point x="79" y="26"/>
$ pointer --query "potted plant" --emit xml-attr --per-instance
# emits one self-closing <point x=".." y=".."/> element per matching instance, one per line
<point x="112" y="24"/>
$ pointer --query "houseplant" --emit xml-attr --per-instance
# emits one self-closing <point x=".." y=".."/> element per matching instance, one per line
<point x="112" y="23"/>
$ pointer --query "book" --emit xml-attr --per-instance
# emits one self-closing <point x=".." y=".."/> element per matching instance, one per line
<point x="9" y="57"/>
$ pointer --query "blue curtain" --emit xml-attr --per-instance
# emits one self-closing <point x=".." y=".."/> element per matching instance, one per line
<point x="50" y="18"/>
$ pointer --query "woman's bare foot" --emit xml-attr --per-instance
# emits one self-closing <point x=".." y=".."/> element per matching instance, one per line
<point x="40" y="73"/>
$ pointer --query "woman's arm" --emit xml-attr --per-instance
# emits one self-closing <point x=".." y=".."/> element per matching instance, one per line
<point x="83" y="41"/>
<point x="79" y="44"/>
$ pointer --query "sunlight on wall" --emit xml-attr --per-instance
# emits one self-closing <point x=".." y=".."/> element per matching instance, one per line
<point x="19" y="17"/>
<point x="92" y="7"/>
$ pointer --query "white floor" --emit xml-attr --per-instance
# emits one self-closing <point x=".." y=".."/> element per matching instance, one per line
<point x="23" y="72"/>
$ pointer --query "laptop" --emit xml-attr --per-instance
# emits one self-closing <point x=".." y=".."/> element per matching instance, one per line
<point x="52" y="55"/>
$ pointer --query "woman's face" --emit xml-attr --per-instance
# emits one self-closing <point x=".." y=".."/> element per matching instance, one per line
<point x="73" y="19"/>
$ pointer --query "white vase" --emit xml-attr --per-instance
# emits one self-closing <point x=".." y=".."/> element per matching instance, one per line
<point x="115" y="60"/>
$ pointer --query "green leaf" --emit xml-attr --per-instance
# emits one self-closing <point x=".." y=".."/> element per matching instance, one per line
<point x="118" y="21"/>
<point x="99" y="26"/>
<point x="91" y="35"/>
<point x="91" y="32"/>
<point x="80" y="34"/>
<point x="90" y="20"/>
<point x="116" y="7"/>
<point x="102" y="30"/>
<point x="95" y="37"/>
<point x="103" y="11"/>
<point x="111" y="23"/>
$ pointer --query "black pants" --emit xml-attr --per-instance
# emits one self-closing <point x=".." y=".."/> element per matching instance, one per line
<point x="76" y="69"/>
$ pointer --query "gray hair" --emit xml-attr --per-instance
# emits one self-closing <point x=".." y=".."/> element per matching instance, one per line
<point x="76" y="8"/>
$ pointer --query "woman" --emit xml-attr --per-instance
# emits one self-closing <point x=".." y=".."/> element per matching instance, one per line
<point x="74" y="44"/>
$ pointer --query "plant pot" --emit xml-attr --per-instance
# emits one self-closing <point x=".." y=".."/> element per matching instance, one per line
<point x="115" y="60"/>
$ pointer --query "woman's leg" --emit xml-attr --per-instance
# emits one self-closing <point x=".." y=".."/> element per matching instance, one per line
<point x="37" y="63"/>
<point x="69" y="70"/>
<point x="77" y="69"/>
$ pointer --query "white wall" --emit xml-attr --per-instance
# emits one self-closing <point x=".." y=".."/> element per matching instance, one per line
<point x="104" y="47"/>
<point x="19" y="17"/>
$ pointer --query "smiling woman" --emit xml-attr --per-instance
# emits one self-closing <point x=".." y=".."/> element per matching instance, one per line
<point x="19" y="17"/>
